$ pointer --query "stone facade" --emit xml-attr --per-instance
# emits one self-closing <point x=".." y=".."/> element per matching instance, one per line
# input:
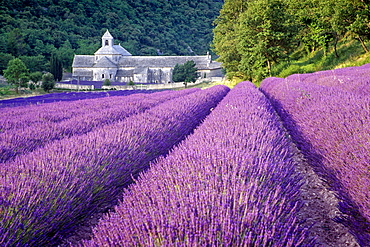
<point x="115" y="63"/>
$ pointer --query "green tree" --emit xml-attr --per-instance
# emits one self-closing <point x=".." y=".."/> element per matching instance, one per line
<point x="251" y="36"/>
<point x="16" y="44"/>
<point x="190" y="71"/>
<point x="265" y="36"/>
<point x="56" y="67"/>
<point x="35" y="77"/>
<point x="65" y="55"/>
<point x="16" y="73"/>
<point x="106" y="82"/>
<point x="186" y="72"/>
<point x="4" y="60"/>
<point x="24" y="80"/>
<point x="35" y="63"/>
<point x="315" y="20"/>
<point x="178" y="73"/>
<point x="351" y="16"/>
<point x="32" y="86"/>
<point x="361" y="28"/>
<point x="48" y="82"/>
<point x="225" y="36"/>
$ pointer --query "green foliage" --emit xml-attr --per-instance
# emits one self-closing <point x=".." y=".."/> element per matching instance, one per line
<point x="66" y="54"/>
<point x="35" y="63"/>
<point x="4" y="60"/>
<point x="106" y="82"/>
<point x="5" y="91"/>
<point x="48" y="82"/>
<point x="32" y="86"/>
<point x="186" y="72"/>
<point x="41" y="28"/>
<point x="16" y="43"/>
<point x="56" y="67"/>
<point x="226" y="36"/>
<point x="24" y="80"/>
<point x="350" y="54"/>
<point x="16" y="73"/>
<point x="253" y="37"/>
<point x="35" y="77"/>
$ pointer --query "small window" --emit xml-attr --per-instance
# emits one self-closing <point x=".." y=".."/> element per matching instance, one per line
<point x="102" y="76"/>
<point x="110" y="76"/>
<point x="106" y="42"/>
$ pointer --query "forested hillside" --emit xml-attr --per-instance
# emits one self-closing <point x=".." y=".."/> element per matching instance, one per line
<point x="34" y="29"/>
<point x="253" y="37"/>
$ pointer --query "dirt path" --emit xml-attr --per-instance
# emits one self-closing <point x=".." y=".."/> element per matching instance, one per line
<point x="320" y="209"/>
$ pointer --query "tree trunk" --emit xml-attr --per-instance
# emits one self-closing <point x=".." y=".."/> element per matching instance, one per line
<point x="335" y="44"/>
<point x="363" y="44"/>
<point x="17" y="86"/>
<point x="269" y="67"/>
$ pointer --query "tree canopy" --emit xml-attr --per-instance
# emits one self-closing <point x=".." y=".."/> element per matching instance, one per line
<point x="186" y="72"/>
<point x="48" y="82"/>
<point x="251" y="36"/>
<point x="56" y="67"/>
<point x="33" y="30"/>
<point x="16" y="73"/>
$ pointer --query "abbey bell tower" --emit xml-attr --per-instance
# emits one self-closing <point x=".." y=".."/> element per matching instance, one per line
<point x="107" y="39"/>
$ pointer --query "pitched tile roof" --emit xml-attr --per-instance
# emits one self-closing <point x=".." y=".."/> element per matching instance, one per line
<point x="162" y="61"/>
<point x="83" y="73"/>
<point x="105" y="62"/>
<point x="125" y="73"/>
<point x="83" y="61"/>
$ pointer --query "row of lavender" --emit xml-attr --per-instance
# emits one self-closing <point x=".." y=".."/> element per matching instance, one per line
<point x="22" y="116"/>
<point x="231" y="183"/>
<point x="66" y="96"/>
<point x="45" y="194"/>
<point x="26" y="128"/>
<point x="332" y="128"/>
<point x="351" y="79"/>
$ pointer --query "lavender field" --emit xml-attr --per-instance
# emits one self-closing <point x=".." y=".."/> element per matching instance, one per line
<point x="66" y="96"/>
<point x="286" y="164"/>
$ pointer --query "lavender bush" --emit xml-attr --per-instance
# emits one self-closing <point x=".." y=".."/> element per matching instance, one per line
<point x="25" y="115"/>
<point x="231" y="183"/>
<point x="350" y="79"/>
<point x="67" y="96"/>
<point x="46" y="193"/>
<point x="331" y="127"/>
<point x="24" y="132"/>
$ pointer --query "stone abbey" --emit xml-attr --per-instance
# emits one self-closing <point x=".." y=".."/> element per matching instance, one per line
<point x="115" y="63"/>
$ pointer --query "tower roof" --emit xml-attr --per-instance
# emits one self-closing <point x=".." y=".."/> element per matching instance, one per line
<point x="108" y="47"/>
<point x="107" y="35"/>
<point x="112" y="50"/>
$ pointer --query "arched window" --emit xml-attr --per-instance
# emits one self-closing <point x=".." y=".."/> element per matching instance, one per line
<point x="102" y="76"/>
<point x="106" y="42"/>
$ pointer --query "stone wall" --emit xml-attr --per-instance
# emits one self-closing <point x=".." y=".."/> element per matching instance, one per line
<point x="74" y="86"/>
<point x="138" y="86"/>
